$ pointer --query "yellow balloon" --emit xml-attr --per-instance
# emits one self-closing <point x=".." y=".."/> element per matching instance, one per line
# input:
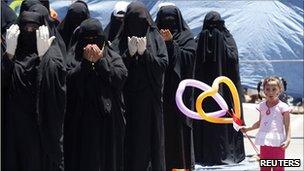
<point x="212" y="92"/>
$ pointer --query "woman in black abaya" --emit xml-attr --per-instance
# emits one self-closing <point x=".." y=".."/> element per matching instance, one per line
<point x="94" y="122"/>
<point x="116" y="20"/>
<point x="181" y="51"/>
<point x="217" y="55"/>
<point x="76" y="13"/>
<point x="144" y="54"/>
<point x="34" y="76"/>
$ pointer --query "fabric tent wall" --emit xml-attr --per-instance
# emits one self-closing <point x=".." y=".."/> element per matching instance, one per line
<point x="269" y="34"/>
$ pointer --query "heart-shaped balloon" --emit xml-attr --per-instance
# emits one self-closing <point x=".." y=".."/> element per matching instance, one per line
<point x="214" y="90"/>
<point x="200" y="85"/>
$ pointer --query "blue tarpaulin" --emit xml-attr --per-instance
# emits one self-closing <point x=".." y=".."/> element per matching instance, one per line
<point x="269" y="34"/>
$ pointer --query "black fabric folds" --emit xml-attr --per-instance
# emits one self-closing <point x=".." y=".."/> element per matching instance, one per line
<point x="8" y="17"/>
<point x="26" y="5"/>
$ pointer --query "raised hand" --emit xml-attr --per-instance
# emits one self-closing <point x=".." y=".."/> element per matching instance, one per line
<point x="11" y="39"/>
<point x="92" y="52"/>
<point x="166" y="34"/>
<point x="132" y="45"/>
<point x="43" y="40"/>
<point x="141" y="45"/>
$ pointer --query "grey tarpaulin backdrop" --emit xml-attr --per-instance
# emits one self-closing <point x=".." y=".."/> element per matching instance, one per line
<point x="269" y="34"/>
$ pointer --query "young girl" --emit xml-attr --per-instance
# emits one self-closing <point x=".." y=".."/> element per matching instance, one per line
<point x="274" y="123"/>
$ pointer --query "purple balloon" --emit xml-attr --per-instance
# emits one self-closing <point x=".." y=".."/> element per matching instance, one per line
<point x="200" y="85"/>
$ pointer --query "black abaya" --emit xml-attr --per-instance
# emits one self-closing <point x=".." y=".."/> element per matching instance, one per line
<point x="181" y="52"/>
<point x="217" y="56"/>
<point x="94" y="124"/>
<point x="35" y="105"/>
<point x="143" y="91"/>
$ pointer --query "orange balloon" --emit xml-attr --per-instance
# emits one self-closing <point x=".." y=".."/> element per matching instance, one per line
<point x="211" y="92"/>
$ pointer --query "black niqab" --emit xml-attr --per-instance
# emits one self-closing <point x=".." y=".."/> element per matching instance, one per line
<point x="169" y="17"/>
<point x="213" y="20"/>
<point x="27" y="42"/>
<point x="90" y="32"/>
<point x="137" y="20"/>
<point x="113" y="27"/>
<point x="27" y="4"/>
<point x="76" y="13"/>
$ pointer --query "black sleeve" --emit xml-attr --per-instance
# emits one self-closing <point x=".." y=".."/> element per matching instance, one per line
<point x="182" y="57"/>
<point x="128" y="59"/>
<point x="112" y="69"/>
<point x="156" y="57"/>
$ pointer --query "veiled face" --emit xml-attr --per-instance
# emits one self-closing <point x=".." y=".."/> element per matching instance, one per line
<point x="137" y="20"/>
<point x="213" y="20"/>
<point x="97" y="40"/>
<point x="30" y="27"/>
<point x="168" y="18"/>
<point x="29" y="22"/>
<point x="137" y="26"/>
<point x="168" y="22"/>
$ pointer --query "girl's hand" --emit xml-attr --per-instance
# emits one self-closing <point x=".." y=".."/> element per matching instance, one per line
<point x="243" y="129"/>
<point x="285" y="144"/>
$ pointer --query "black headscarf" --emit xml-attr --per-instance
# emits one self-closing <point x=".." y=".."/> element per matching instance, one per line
<point x="137" y="20"/>
<point x="26" y="5"/>
<point x="27" y="40"/>
<point x="89" y="28"/>
<point x="211" y="36"/>
<point x="51" y="25"/>
<point x="169" y="17"/>
<point x="113" y="27"/>
<point x="46" y="4"/>
<point x="76" y="13"/>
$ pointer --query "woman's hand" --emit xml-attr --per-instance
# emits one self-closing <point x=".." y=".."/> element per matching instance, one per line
<point x="92" y="52"/>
